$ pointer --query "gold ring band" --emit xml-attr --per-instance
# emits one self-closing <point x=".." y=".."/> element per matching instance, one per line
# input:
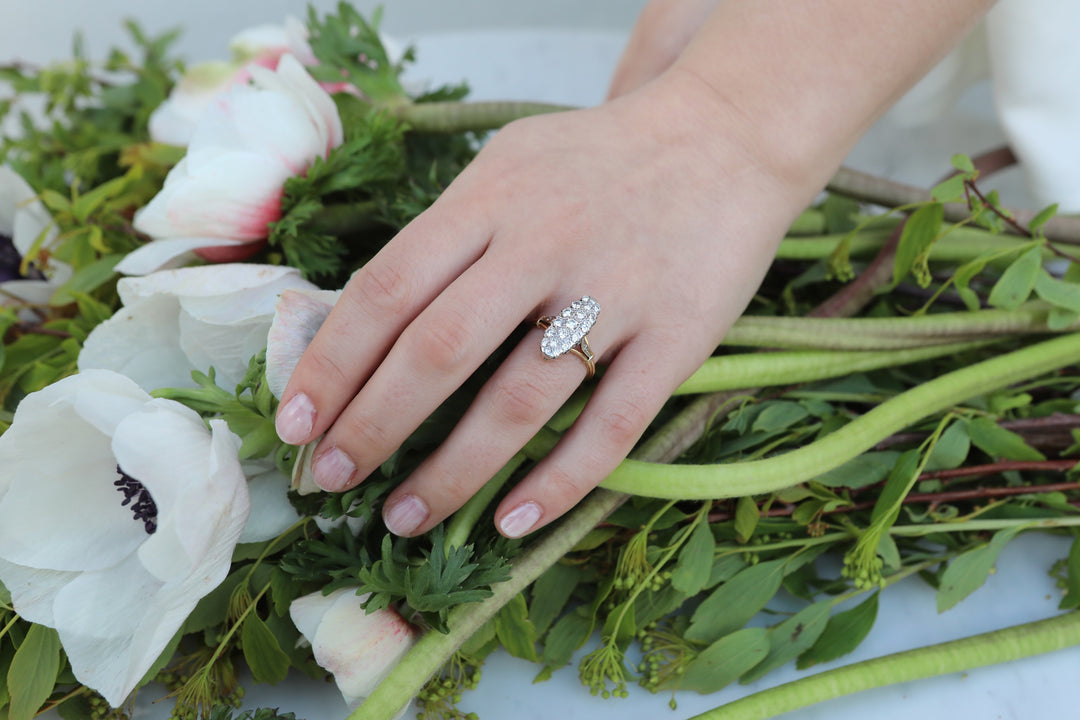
<point x="568" y="332"/>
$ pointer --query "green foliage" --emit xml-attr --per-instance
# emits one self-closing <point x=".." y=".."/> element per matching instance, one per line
<point x="348" y="46"/>
<point x="32" y="673"/>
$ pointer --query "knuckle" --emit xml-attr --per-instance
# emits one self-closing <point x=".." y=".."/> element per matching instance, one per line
<point x="363" y="432"/>
<point x="442" y="346"/>
<point x="621" y="423"/>
<point x="519" y="401"/>
<point x="568" y="487"/>
<point x="381" y="288"/>
<point x="326" y="369"/>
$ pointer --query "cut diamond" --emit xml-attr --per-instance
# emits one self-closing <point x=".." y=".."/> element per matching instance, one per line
<point x="569" y="327"/>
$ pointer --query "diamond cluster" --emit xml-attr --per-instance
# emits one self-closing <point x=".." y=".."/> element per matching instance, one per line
<point x="568" y="327"/>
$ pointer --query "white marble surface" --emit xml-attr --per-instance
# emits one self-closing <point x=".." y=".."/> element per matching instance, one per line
<point x="572" y="66"/>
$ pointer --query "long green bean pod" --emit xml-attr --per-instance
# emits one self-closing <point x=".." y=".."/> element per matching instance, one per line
<point x="691" y="482"/>
<point x="747" y="370"/>
<point x="1011" y="643"/>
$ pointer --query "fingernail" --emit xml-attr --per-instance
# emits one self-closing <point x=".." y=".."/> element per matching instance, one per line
<point x="404" y="516"/>
<point x="520" y="520"/>
<point x="295" y="419"/>
<point x="333" y="470"/>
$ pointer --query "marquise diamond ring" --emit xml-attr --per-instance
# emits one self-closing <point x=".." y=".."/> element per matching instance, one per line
<point x="568" y="332"/>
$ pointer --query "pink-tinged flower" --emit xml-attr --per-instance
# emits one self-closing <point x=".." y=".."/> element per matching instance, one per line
<point x="115" y="538"/>
<point x="228" y="187"/>
<point x="24" y="222"/>
<point x="174" y="121"/>
<point x="358" y="648"/>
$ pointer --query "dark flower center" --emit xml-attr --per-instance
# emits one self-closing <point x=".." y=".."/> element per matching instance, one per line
<point x="10" y="259"/>
<point x="142" y="505"/>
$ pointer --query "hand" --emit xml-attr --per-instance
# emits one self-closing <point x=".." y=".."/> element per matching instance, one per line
<point x="655" y="204"/>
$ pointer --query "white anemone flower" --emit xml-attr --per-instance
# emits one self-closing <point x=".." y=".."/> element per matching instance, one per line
<point x="23" y="221"/>
<point x="174" y="121"/>
<point x="358" y="648"/>
<point x="176" y="321"/>
<point x="113" y="541"/>
<point x="220" y="199"/>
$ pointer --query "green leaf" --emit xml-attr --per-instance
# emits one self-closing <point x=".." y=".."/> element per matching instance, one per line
<point x="791" y="638"/>
<point x="724" y="568"/>
<point x="550" y="593"/>
<point x="1037" y="222"/>
<point x="1065" y="295"/>
<point x="998" y="442"/>
<point x="695" y="561"/>
<point x="845" y="631"/>
<point x="514" y="629"/>
<point x="1016" y="283"/>
<point x="951" y="449"/>
<point x="268" y="662"/>
<point x="969" y="571"/>
<point x="566" y="636"/>
<point x="779" y="416"/>
<point x="747" y="515"/>
<point x="919" y="233"/>
<point x="32" y="674"/>
<point x="950" y="189"/>
<point x="720" y="664"/>
<point x="1071" y="601"/>
<point x="962" y="163"/>
<point x="866" y="469"/>
<point x="86" y="279"/>
<point x="731" y="605"/>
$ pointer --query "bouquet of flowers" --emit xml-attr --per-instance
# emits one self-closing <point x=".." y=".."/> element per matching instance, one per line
<point x="170" y="241"/>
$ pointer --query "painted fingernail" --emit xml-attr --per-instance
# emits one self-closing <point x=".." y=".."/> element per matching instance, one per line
<point x="295" y="419"/>
<point x="404" y="516"/>
<point x="520" y="520"/>
<point x="333" y="470"/>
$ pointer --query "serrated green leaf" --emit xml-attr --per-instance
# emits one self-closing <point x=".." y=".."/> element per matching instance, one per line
<point x="695" y="561"/>
<point x="1016" y="283"/>
<point x="267" y="661"/>
<point x="791" y="638"/>
<point x="919" y="233"/>
<point x="731" y="605"/>
<point x="966" y="573"/>
<point x="998" y="442"/>
<point x="720" y="664"/>
<point x="514" y="629"/>
<point x="32" y="674"/>
<point x="844" y="632"/>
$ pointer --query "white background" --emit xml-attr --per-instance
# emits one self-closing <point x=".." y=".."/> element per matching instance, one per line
<point x="562" y="50"/>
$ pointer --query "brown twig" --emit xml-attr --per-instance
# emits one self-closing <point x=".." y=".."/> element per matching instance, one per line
<point x="27" y="329"/>
<point x="887" y="193"/>
<point x="1052" y="430"/>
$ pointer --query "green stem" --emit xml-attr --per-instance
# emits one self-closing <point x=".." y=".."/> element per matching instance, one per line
<point x="1011" y="643"/>
<point x="433" y="649"/>
<point x="464" y="520"/>
<point x="888" y="333"/>
<point x="455" y="117"/>
<point x="747" y="370"/>
<point x="765" y="476"/>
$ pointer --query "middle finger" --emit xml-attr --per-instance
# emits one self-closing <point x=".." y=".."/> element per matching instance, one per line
<point x="434" y="355"/>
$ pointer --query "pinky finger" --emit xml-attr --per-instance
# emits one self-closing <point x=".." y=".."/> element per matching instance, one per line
<point x="633" y="390"/>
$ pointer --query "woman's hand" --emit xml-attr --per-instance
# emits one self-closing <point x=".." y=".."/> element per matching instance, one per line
<point x="656" y="204"/>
